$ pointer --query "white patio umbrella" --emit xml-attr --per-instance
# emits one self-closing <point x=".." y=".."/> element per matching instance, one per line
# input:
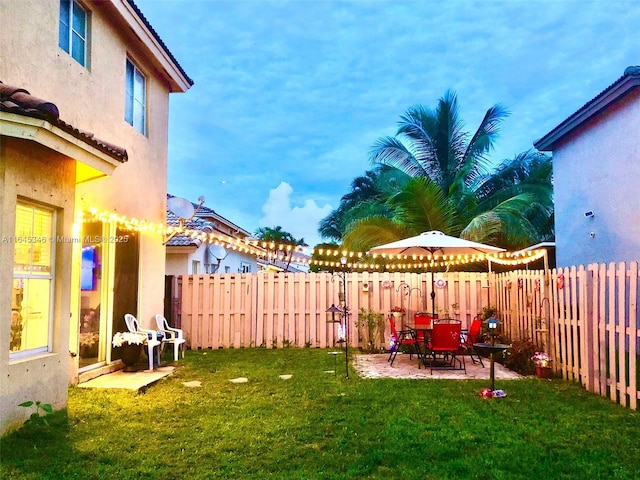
<point x="431" y="244"/>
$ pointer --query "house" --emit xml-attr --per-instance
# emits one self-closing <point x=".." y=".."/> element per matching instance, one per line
<point x="193" y="255"/>
<point x="596" y="176"/>
<point x="82" y="200"/>
<point x="299" y="263"/>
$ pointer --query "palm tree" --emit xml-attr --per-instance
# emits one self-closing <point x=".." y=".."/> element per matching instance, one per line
<point x="433" y="143"/>
<point x="457" y="194"/>
<point x="280" y="242"/>
<point x="367" y="198"/>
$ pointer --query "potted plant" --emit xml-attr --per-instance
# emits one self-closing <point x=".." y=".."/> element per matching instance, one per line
<point x="542" y="361"/>
<point x="398" y="312"/>
<point x="131" y="344"/>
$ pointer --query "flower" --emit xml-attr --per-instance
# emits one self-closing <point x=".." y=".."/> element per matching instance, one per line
<point x="398" y="309"/>
<point x="89" y="339"/>
<point x="542" y="359"/>
<point x="120" y="338"/>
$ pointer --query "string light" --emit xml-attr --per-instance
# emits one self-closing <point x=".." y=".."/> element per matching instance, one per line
<point x="260" y="248"/>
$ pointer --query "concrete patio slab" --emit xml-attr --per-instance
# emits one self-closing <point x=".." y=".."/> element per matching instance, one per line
<point x="376" y="366"/>
<point x="137" y="381"/>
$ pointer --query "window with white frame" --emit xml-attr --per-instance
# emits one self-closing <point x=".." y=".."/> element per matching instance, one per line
<point x="135" y="109"/>
<point x="73" y="28"/>
<point x="33" y="273"/>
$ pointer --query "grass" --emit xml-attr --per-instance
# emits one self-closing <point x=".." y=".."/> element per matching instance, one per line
<point x="317" y="426"/>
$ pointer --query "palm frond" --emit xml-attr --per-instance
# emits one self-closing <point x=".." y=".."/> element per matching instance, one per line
<point x="391" y="151"/>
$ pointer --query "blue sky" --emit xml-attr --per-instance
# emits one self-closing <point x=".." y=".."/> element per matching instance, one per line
<point x="290" y="96"/>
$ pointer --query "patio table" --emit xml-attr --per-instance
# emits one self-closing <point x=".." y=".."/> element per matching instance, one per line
<point x="491" y="348"/>
<point x="423" y="334"/>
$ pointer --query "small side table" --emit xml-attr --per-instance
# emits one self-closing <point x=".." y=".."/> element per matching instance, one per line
<point x="491" y="348"/>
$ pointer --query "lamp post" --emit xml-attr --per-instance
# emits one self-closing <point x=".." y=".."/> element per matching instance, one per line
<point x="492" y="325"/>
<point x="344" y="311"/>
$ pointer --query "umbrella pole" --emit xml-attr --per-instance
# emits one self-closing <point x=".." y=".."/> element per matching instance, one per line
<point x="433" y="297"/>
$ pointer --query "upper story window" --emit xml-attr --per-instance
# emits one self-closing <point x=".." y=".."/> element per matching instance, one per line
<point x="31" y="294"/>
<point x="135" y="109"/>
<point x="73" y="30"/>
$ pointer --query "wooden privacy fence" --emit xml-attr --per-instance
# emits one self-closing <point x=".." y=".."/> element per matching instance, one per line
<point x="275" y="310"/>
<point x="586" y="318"/>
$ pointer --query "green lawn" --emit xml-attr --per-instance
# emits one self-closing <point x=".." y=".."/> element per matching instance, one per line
<point x="317" y="426"/>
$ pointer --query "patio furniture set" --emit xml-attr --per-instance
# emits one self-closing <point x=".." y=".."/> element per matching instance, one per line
<point x="437" y="343"/>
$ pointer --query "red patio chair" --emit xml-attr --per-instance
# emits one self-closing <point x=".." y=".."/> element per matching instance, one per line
<point x="444" y="345"/>
<point x="400" y="338"/>
<point x="423" y="322"/>
<point x="473" y="335"/>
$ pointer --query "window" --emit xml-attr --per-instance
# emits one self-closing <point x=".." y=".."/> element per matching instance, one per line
<point x="245" y="267"/>
<point x="195" y="266"/>
<point x="135" y="102"/>
<point x="73" y="30"/>
<point x="31" y="295"/>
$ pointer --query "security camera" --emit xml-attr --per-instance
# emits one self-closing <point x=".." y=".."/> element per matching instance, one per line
<point x="589" y="214"/>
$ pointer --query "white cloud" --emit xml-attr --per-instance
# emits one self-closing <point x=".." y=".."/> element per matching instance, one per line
<point x="300" y="221"/>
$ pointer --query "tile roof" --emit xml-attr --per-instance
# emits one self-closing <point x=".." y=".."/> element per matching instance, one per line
<point x="157" y="37"/>
<point x="20" y="102"/>
<point x="181" y="240"/>
<point x="629" y="80"/>
<point x="209" y="216"/>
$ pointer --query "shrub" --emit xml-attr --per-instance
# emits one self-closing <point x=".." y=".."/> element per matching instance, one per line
<point x="518" y="357"/>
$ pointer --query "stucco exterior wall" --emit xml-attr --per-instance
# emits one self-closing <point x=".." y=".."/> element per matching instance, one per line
<point x="181" y="262"/>
<point x="34" y="173"/>
<point x="93" y="99"/>
<point x="597" y="168"/>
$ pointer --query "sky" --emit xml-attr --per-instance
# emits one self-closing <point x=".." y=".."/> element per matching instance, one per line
<point x="289" y="96"/>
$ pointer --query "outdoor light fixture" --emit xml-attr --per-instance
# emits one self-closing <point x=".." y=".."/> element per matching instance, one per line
<point x="333" y="310"/>
<point x="343" y="328"/>
<point x="492" y="325"/>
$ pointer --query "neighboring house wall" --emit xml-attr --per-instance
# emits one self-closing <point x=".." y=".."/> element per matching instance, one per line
<point x="596" y="167"/>
<point x="34" y="174"/>
<point x="189" y="255"/>
<point x="181" y="261"/>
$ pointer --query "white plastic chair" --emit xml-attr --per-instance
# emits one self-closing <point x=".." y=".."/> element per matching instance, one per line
<point x="171" y="335"/>
<point x="152" y="336"/>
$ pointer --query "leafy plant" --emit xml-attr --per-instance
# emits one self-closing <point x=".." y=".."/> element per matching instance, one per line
<point x="373" y="323"/>
<point x="518" y="357"/>
<point x="488" y="312"/>
<point x="36" y="418"/>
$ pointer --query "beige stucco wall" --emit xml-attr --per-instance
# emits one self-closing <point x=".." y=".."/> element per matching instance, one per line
<point x="93" y="99"/>
<point x="180" y="262"/>
<point x="597" y="168"/>
<point x="35" y="173"/>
